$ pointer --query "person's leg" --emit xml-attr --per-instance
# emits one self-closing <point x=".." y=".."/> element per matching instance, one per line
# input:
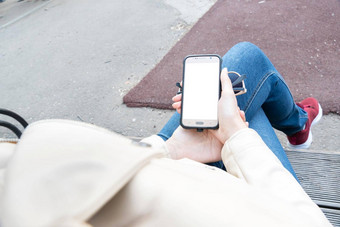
<point x="169" y="128"/>
<point x="268" y="98"/>
<point x="265" y="88"/>
<point x="262" y="126"/>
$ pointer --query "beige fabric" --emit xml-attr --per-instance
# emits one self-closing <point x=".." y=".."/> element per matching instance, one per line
<point x="186" y="193"/>
<point x="155" y="141"/>
<point x="6" y="152"/>
<point x="62" y="174"/>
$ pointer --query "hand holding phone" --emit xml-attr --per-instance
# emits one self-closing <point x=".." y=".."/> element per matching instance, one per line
<point x="206" y="146"/>
<point x="232" y="119"/>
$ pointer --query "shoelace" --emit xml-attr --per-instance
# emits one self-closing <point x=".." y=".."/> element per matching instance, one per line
<point x="308" y="106"/>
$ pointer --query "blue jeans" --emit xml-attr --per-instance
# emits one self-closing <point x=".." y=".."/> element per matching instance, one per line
<point x="268" y="102"/>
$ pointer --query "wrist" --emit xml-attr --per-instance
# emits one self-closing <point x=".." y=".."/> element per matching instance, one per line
<point x="231" y="130"/>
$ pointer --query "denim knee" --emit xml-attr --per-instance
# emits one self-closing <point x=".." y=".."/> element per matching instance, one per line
<point x="242" y="46"/>
<point x="246" y="58"/>
<point x="242" y="53"/>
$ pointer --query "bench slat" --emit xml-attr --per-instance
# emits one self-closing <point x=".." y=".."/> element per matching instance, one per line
<point x="319" y="175"/>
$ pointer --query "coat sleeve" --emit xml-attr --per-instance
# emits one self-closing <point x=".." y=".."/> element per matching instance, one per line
<point x="157" y="143"/>
<point x="247" y="157"/>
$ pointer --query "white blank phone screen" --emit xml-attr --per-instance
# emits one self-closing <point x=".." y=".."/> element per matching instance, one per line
<point x="201" y="88"/>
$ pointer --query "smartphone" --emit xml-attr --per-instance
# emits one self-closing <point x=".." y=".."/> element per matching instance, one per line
<point x="201" y="91"/>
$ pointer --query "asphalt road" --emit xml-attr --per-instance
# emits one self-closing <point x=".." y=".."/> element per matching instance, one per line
<point x="77" y="59"/>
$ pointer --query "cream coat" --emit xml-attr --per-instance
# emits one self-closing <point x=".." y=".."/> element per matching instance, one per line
<point x="65" y="173"/>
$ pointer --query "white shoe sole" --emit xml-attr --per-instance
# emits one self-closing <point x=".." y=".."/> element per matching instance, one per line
<point x="309" y="141"/>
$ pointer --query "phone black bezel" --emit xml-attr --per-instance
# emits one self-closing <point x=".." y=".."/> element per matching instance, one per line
<point x="183" y="88"/>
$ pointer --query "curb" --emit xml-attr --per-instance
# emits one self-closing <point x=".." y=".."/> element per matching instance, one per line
<point x="25" y="15"/>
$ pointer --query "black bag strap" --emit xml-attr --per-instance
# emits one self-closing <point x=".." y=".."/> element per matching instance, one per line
<point x="10" y="126"/>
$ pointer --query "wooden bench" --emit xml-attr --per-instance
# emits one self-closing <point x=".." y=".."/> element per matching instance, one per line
<point x="319" y="175"/>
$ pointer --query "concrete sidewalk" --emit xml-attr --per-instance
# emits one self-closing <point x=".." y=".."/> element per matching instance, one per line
<point x="77" y="59"/>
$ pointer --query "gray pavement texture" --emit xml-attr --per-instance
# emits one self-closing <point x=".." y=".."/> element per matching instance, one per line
<point x="77" y="59"/>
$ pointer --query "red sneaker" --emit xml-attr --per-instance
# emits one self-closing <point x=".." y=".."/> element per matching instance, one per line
<point x="303" y="139"/>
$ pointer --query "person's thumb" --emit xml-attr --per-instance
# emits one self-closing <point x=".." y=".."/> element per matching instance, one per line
<point x="225" y="80"/>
